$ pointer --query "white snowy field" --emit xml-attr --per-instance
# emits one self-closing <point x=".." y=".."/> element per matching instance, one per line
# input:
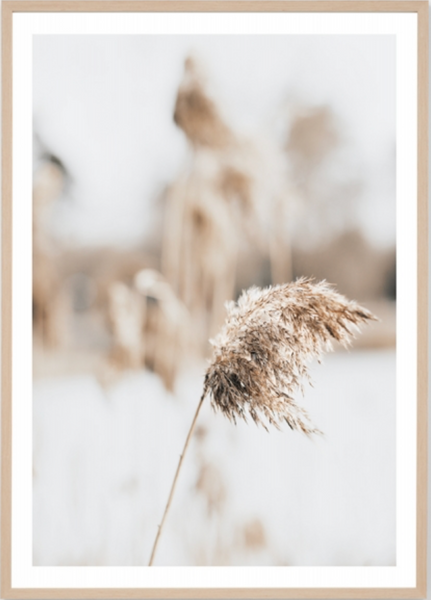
<point x="104" y="461"/>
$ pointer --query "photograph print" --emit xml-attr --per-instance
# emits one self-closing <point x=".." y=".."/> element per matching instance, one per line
<point x="214" y="300"/>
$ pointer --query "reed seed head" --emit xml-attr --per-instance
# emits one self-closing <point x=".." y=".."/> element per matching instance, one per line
<point x="197" y="114"/>
<point x="262" y="354"/>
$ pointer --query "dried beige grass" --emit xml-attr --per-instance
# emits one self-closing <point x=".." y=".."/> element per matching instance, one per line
<point x="171" y="326"/>
<point x="211" y="485"/>
<point x="51" y="305"/>
<point x="199" y="250"/>
<point x="325" y="186"/>
<point x="263" y="351"/>
<point x="197" y="114"/>
<point x="215" y="206"/>
<point x="126" y="312"/>
<point x="253" y="535"/>
<point x="149" y="325"/>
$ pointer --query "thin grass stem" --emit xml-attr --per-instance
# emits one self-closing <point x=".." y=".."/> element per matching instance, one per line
<point x="171" y="493"/>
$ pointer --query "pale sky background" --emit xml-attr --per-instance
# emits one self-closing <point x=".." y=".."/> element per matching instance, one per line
<point x="104" y="105"/>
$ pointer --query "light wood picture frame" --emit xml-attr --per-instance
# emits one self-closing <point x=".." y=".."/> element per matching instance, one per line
<point x="22" y="576"/>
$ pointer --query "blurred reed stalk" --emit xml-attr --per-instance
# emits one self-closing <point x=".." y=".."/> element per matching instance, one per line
<point x="50" y="302"/>
<point x="127" y="315"/>
<point x="149" y="324"/>
<point x="199" y="252"/>
<point x="262" y="354"/>
<point x="321" y="178"/>
<point x="171" y="325"/>
<point x="211" y="208"/>
<point x="280" y="247"/>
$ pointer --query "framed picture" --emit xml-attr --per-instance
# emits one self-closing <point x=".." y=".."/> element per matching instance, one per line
<point x="214" y="305"/>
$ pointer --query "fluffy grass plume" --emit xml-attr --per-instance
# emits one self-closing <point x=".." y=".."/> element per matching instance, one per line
<point x="262" y="354"/>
